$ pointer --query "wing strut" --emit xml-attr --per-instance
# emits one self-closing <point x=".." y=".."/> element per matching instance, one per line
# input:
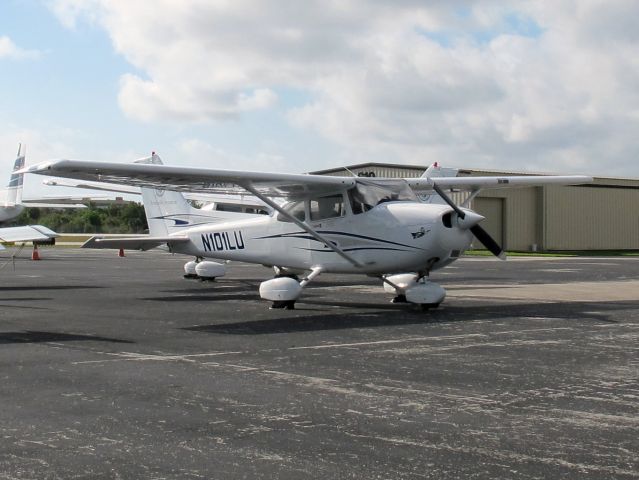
<point x="302" y="225"/>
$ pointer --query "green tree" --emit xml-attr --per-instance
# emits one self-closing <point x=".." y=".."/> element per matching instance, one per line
<point x="115" y="218"/>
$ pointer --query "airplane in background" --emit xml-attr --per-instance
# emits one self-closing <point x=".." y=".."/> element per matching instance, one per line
<point x="219" y="202"/>
<point x="12" y="205"/>
<point x="329" y="224"/>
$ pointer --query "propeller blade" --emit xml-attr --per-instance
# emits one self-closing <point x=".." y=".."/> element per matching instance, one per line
<point x="481" y="234"/>
<point x="448" y="200"/>
<point x="488" y="242"/>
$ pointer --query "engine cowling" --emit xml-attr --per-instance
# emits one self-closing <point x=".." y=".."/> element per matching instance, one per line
<point x="210" y="270"/>
<point x="280" y="289"/>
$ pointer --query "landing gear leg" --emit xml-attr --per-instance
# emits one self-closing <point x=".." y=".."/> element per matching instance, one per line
<point x="284" y="290"/>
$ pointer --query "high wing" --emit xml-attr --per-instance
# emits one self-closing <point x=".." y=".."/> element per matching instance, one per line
<point x="27" y="233"/>
<point x="190" y="179"/>
<point x="206" y="180"/>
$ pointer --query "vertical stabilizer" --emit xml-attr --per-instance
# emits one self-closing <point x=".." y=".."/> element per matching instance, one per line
<point x="13" y="194"/>
<point x="166" y="211"/>
<point x="434" y="171"/>
<point x="169" y="212"/>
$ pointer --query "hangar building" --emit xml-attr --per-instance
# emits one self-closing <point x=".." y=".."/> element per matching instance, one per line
<point x="603" y="215"/>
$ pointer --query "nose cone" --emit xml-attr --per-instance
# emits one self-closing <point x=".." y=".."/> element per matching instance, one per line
<point x="470" y="219"/>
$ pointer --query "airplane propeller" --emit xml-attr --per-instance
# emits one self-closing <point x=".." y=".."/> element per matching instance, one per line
<point x="480" y="234"/>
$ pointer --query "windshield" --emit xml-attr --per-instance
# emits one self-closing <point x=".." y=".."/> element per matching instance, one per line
<point x="368" y="194"/>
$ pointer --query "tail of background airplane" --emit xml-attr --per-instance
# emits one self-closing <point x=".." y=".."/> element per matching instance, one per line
<point x="434" y="171"/>
<point x="169" y="212"/>
<point x="12" y="194"/>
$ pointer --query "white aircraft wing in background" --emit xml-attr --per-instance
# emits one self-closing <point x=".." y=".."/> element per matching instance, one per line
<point x="241" y="199"/>
<point x="27" y="233"/>
<point x="57" y="202"/>
<point x="92" y="186"/>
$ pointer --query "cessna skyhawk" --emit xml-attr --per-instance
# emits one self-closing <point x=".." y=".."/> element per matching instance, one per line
<point x="376" y="227"/>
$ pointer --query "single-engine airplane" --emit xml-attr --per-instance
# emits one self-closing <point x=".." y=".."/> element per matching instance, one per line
<point x="376" y="227"/>
<point x="12" y="205"/>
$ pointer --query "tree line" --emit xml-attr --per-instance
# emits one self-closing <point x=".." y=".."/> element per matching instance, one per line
<point x="116" y="218"/>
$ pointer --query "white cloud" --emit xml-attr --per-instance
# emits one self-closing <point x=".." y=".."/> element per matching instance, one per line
<point x="536" y="85"/>
<point x="10" y="50"/>
<point x="196" y="152"/>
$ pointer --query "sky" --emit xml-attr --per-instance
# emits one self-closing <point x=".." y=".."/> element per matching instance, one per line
<point x="292" y="86"/>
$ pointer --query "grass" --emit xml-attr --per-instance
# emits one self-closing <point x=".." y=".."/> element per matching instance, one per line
<point x="560" y="253"/>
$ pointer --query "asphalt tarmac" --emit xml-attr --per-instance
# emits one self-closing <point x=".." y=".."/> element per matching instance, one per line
<point x="119" y="368"/>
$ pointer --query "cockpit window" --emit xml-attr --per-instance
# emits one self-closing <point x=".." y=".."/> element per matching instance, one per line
<point x="296" y="209"/>
<point x="327" y="207"/>
<point x="367" y="194"/>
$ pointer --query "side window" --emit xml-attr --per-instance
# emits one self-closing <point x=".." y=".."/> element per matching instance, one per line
<point x="327" y="207"/>
<point x="296" y="209"/>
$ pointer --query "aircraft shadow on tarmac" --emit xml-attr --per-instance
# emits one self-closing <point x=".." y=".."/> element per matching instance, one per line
<point x="212" y="297"/>
<point x="19" y="288"/>
<point x="33" y="336"/>
<point x="560" y="311"/>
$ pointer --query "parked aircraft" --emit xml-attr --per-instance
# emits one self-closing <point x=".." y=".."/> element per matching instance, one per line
<point x="11" y="205"/>
<point x="376" y="227"/>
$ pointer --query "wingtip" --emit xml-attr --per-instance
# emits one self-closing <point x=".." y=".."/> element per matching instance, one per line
<point x="34" y="168"/>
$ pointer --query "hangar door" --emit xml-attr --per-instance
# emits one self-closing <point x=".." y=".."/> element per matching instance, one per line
<point x="493" y="210"/>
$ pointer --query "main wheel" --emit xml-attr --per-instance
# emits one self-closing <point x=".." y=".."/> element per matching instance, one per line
<point x="284" y="304"/>
<point x="399" y="299"/>
<point x="427" y="306"/>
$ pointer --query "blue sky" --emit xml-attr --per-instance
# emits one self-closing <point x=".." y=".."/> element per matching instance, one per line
<point x="295" y="87"/>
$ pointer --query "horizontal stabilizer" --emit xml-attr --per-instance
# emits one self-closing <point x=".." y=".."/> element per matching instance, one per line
<point x="145" y="242"/>
<point x="27" y="233"/>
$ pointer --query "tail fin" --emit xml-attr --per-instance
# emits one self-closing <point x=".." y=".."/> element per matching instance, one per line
<point x="169" y="212"/>
<point x="14" y="189"/>
<point x="434" y="171"/>
<point x="166" y="211"/>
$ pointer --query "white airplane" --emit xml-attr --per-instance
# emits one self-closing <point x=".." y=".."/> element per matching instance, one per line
<point x="11" y="205"/>
<point x="376" y="227"/>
